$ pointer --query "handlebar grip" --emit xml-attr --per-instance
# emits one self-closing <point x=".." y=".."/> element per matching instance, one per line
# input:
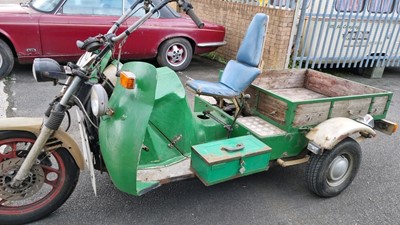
<point x="195" y="19"/>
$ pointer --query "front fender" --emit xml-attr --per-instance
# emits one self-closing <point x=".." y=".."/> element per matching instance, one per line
<point x="33" y="125"/>
<point x="330" y="132"/>
<point x="121" y="134"/>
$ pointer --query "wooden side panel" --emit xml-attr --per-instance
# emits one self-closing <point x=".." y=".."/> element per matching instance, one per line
<point x="351" y="108"/>
<point x="378" y="107"/>
<point x="253" y="92"/>
<point x="333" y="86"/>
<point x="272" y="107"/>
<point x="276" y="79"/>
<point x="311" y="114"/>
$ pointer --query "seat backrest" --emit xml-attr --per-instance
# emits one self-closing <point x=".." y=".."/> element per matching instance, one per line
<point x="239" y="74"/>
<point x="251" y="49"/>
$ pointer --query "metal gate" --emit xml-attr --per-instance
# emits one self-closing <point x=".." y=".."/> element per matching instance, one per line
<point x="347" y="33"/>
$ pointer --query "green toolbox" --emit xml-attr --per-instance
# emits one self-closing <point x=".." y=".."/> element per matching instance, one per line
<point x="223" y="160"/>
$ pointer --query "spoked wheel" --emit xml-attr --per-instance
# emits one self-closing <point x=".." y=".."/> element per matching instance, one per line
<point x="48" y="185"/>
<point x="175" y="53"/>
<point x="327" y="175"/>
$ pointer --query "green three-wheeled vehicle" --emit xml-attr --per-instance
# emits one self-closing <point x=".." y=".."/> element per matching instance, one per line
<point x="137" y="125"/>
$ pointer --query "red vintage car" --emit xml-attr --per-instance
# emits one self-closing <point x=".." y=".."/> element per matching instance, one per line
<point x="50" y="28"/>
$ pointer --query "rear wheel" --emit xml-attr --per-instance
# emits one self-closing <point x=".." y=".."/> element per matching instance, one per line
<point x="175" y="53"/>
<point x="327" y="175"/>
<point x="49" y="183"/>
<point x="6" y="59"/>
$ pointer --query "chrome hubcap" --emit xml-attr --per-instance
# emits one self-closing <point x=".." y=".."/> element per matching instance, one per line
<point x="176" y="54"/>
<point x="338" y="170"/>
<point x="1" y="60"/>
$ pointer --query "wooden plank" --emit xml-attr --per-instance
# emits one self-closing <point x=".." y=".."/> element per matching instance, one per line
<point x="275" y="79"/>
<point x="351" y="108"/>
<point x="378" y="106"/>
<point x="272" y="107"/>
<point x="298" y="94"/>
<point x="335" y="86"/>
<point x="311" y="114"/>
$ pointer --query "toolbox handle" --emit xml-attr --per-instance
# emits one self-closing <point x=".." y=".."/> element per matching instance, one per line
<point x="238" y="147"/>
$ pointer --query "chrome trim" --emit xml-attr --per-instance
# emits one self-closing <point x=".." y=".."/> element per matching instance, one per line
<point x="211" y="44"/>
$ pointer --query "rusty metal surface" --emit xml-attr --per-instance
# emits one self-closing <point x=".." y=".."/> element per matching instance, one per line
<point x="167" y="174"/>
<point x="330" y="132"/>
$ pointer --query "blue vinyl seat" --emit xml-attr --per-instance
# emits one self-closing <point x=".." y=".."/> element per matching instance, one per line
<point x="240" y="73"/>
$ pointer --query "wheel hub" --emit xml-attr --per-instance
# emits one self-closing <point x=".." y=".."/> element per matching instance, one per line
<point x="1" y="60"/>
<point x="338" y="169"/>
<point x="176" y="54"/>
<point x="31" y="185"/>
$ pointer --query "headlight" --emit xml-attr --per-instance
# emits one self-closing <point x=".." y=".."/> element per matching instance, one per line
<point x="367" y="120"/>
<point x="98" y="100"/>
<point x="46" y="69"/>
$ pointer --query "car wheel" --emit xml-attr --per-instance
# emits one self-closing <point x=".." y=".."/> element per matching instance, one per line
<point x="327" y="175"/>
<point x="6" y="59"/>
<point x="175" y="53"/>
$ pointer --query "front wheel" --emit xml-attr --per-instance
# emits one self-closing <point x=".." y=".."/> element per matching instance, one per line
<point x="6" y="59"/>
<point x="327" y="175"/>
<point x="175" y="53"/>
<point x="48" y="185"/>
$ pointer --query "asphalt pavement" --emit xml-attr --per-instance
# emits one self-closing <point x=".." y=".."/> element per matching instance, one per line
<point x="278" y="196"/>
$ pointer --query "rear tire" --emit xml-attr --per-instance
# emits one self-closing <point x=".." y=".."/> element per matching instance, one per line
<point x="6" y="59"/>
<point x="175" y="53"/>
<point x="327" y="175"/>
<point x="49" y="184"/>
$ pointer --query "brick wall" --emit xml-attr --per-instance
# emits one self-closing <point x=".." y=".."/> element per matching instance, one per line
<point x="236" y="17"/>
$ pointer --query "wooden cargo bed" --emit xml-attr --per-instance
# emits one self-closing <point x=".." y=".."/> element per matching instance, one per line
<point x="291" y="99"/>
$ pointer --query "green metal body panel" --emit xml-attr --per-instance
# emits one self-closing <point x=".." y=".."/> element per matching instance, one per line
<point x="285" y="145"/>
<point x="121" y="135"/>
<point x="213" y="165"/>
<point x="173" y="129"/>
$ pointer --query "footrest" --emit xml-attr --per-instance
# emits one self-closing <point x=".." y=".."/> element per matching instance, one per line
<point x="223" y="160"/>
<point x="259" y="127"/>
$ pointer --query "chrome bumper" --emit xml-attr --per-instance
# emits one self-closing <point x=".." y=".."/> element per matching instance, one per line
<point x="211" y="44"/>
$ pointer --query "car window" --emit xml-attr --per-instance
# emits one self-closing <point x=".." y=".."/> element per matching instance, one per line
<point x="139" y="10"/>
<point x="381" y="6"/>
<point x="349" y="5"/>
<point x="93" y="7"/>
<point x="44" y="5"/>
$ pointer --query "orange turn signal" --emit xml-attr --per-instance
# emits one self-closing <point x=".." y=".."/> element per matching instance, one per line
<point x="127" y="79"/>
<point x="395" y="127"/>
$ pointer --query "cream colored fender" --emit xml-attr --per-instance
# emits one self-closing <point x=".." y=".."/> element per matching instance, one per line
<point x="33" y="125"/>
<point x="329" y="133"/>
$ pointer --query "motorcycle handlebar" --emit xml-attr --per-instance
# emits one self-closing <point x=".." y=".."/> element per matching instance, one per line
<point x="188" y="8"/>
<point x="195" y="19"/>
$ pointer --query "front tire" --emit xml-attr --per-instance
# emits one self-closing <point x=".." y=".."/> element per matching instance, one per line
<point x="175" y="53"/>
<point x="6" y="59"/>
<point x="327" y="175"/>
<point x="48" y="185"/>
